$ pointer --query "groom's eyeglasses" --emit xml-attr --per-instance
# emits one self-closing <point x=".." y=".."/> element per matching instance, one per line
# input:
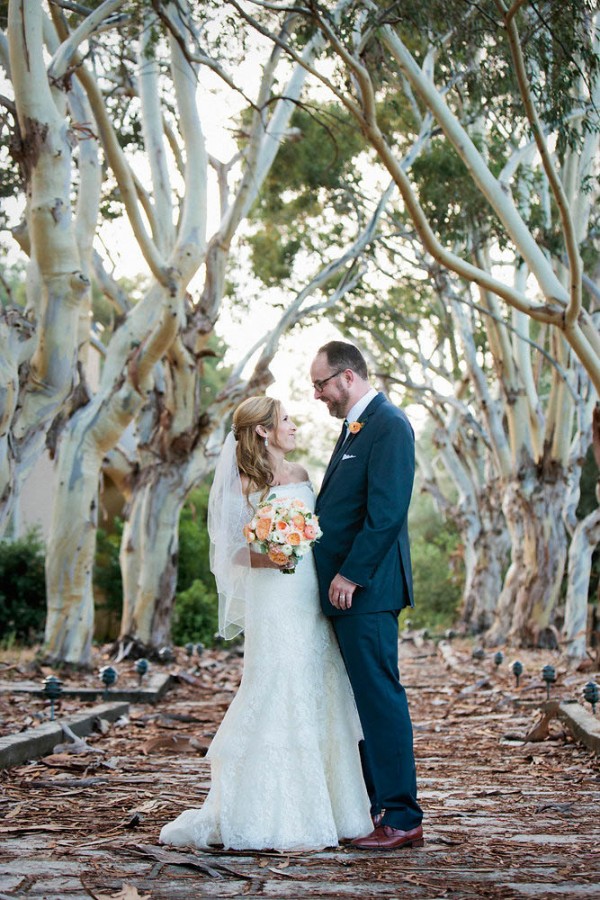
<point x="319" y="385"/>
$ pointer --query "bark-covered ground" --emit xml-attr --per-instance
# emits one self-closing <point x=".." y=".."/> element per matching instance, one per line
<point x="504" y="818"/>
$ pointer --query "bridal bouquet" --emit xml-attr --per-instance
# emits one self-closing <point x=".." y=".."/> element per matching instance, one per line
<point x="285" y="529"/>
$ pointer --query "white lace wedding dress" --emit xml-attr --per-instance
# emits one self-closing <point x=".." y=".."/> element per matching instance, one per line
<point x="285" y="766"/>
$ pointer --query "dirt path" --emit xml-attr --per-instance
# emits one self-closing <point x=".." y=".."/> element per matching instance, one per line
<point x="504" y="818"/>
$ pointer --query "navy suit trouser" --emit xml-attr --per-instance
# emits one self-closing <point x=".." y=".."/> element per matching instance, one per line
<point x="369" y="646"/>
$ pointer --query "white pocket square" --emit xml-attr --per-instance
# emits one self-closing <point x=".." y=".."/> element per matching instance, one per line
<point x="348" y="456"/>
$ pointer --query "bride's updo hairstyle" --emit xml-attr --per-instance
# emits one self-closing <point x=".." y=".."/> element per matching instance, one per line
<point x="251" y="452"/>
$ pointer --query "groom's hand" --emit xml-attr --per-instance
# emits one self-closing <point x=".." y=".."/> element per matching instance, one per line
<point x="341" y="591"/>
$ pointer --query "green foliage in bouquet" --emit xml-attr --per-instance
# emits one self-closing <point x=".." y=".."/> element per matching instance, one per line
<point x="22" y="590"/>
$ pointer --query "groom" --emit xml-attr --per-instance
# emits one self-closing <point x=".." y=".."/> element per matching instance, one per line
<point x="365" y="579"/>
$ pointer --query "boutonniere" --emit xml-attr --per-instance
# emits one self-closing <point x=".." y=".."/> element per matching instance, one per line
<point x="354" y="427"/>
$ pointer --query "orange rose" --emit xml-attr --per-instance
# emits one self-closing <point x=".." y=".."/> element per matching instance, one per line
<point x="278" y="556"/>
<point x="354" y="427"/>
<point x="298" y="521"/>
<point x="263" y="528"/>
<point x="293" y="538"/>
<point x="282" y="526"/>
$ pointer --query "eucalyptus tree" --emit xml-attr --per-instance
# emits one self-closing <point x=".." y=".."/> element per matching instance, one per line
<point x="40" y="342"/>
<point x="545" y="84"/>
<point x="120" y="85"/>
<point x="426" y="352"/>
<point x="125" y="82"/>
<point x="512" y="91"/>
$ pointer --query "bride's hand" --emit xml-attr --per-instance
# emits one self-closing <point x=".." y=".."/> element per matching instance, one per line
<point x="264" y="561"/>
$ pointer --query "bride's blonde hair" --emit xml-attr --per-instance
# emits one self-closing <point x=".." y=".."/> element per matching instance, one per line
<point x="251" y="452"/>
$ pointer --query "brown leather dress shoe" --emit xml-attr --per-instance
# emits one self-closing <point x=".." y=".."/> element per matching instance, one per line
<point x="375" y="818"/>
<point x="386" y="838"/>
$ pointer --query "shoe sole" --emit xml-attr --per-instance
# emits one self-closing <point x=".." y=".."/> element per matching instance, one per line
<point x="418" y="842"/>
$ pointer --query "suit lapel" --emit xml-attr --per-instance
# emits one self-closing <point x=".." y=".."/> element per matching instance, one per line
<point x="336" y="451"/>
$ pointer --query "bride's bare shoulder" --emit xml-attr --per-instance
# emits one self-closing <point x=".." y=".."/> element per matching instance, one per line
<point x="299" y="473"/>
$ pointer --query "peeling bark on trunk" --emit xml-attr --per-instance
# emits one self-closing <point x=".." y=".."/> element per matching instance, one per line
<point x="57" y="287"/>
<point x="486" y="551"/>
<point x="526" y="607"/>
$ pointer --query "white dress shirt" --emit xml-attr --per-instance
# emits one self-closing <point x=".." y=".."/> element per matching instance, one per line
<point x="359" y="407"/>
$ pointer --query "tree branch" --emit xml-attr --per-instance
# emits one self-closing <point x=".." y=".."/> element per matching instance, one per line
<point x="67" y="50"/>
<point x="574" y="307"/>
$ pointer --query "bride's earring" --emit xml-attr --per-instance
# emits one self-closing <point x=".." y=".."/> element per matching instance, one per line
<point x="266" y="443"/>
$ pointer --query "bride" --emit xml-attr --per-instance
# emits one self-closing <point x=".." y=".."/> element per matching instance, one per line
<point x="285" y="765"/>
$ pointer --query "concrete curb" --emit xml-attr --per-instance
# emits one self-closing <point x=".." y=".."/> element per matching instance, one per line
<point x="584" y="726"/>
<point x="16" y="749"/>
<point x="151" y="692"/>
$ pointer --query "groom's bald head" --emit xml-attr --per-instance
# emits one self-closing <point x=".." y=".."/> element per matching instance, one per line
<point x="342" y="355"/>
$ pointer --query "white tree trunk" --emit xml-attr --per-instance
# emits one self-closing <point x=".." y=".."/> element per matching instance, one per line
<point x="584" y="541"/>
<point x="140" y="344"/>
<point x="93" y="431"/>
<point x="153" y="538"/>
<point x="486" y="552"/>
<point x="57" y="286"/>
<point x="539" y="552"/>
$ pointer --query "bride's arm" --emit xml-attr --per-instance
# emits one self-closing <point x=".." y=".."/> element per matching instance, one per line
<point x="257" y="560"/>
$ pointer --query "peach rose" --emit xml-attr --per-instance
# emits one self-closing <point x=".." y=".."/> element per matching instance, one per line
<point x="265" y="510"/>
<point x="249" y="534"/>
<point x="298" y="520"/>
<point x="282" y="526"/>
<point x="263" y="528"/>
<point x="310" y="532"/>
<point x="293" y="538"/>
<point x="354" y="427"/>
<point x="278" y="557"/>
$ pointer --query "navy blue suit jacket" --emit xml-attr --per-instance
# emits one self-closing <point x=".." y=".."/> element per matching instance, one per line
<point x="363" y="511"/>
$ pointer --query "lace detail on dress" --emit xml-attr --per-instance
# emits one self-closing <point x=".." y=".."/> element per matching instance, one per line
<point x="286" y="771"/>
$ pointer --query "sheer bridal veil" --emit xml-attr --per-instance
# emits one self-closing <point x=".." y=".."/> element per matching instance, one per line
<point x="228" y="512"/>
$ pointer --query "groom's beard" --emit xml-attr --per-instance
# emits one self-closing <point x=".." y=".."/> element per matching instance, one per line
<point x="338" y="408"/>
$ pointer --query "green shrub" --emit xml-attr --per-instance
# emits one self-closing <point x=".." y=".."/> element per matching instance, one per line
<point x="193" y="564"/>
<point x="107" y="569"/>
<point x="22" y="590"/>
<point x="196" y="615"/>
<point x="437" y="589"/>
